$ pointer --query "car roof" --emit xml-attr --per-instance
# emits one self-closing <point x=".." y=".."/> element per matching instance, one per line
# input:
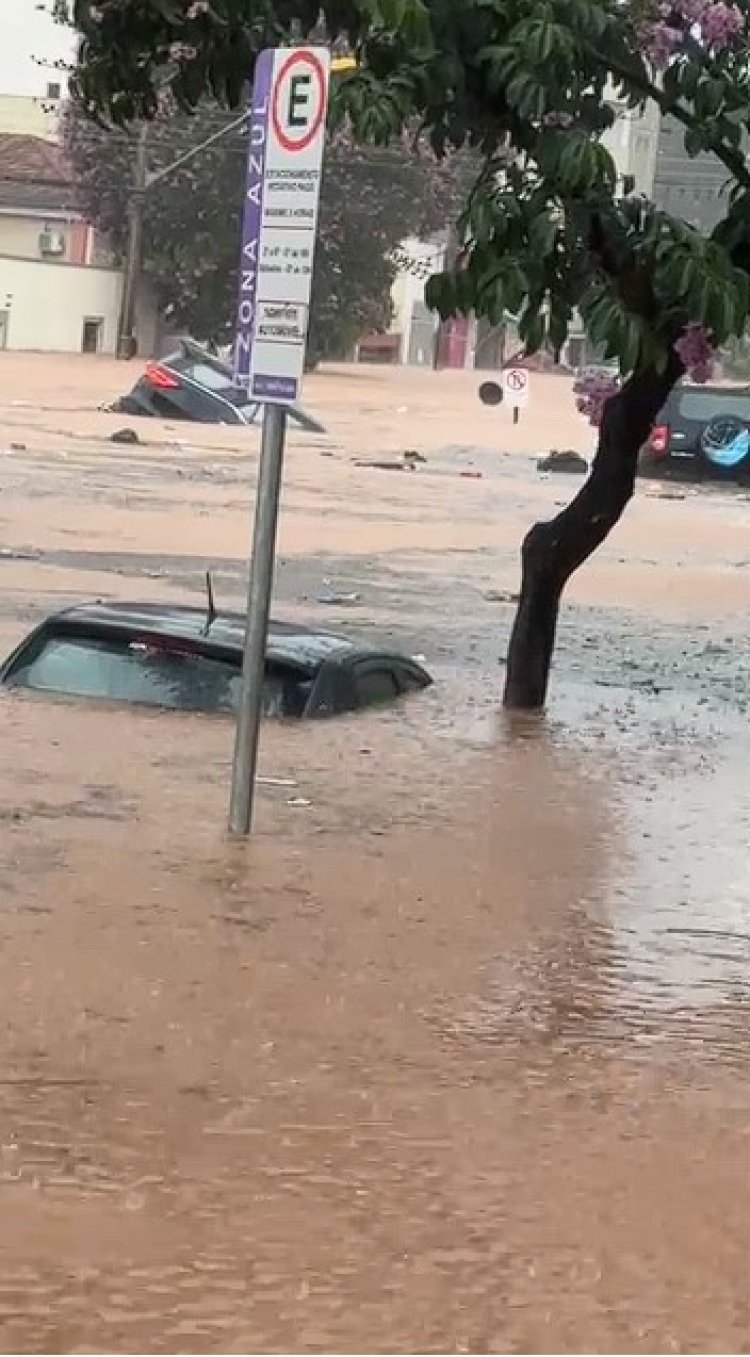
<point x="711" y="389"/>
<point x="287" y="642"/>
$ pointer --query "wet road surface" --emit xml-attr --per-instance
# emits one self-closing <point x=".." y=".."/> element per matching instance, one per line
<point x="454" y="1057"/>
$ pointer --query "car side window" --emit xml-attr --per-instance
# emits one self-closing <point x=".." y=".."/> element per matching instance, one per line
<point x="124" y="671"/>
<point x="375" y="684"/>
<point x="151" y="674"/>
<point x="208" y="377"/>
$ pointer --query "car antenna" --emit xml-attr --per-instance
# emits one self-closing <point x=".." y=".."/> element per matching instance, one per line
<point x="211" y="608"/>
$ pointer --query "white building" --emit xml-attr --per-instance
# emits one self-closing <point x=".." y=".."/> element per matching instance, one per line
<point x="633" y="141"/>
<point x="414" y="324"/>
<point x="59" y="292"/>
<point x="34" y="50"/>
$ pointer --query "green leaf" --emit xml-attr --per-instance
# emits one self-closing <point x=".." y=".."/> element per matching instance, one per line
<point x="695" y="141"/>
<point x="532" y="329"/>
<point x="440" y="294"/>
<point x="542" y="234"/>
<point x="559" y="321"/>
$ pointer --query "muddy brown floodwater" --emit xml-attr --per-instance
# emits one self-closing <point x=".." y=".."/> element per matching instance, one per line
<point x="452" y="1056"/>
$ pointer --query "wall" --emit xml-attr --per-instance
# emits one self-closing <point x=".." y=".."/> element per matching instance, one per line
<point x="692" y="188"/>
<point x="632" y="142"/>
<point x="28" y="36"/>
<point x="49" y="302"/>
<point x="19" y="235"/>
<point x="33" y="117"/>
<point x="411" y="321"/>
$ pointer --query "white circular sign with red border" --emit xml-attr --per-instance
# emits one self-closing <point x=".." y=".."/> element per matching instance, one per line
<point x="516" y="386"/>
<point x="298" y="103"/>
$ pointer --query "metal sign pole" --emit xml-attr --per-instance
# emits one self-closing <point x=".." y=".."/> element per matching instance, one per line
<point x="279" y="226"/>
<point x="258" y="609"/>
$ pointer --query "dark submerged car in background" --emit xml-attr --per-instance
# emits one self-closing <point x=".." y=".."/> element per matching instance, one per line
<point x="701" y="432"/>
<point x="184" y="659"/>
<point x="192" y="383"/>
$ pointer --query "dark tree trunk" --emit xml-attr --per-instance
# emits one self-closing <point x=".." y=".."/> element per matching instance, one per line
<point x="552" y="551"/>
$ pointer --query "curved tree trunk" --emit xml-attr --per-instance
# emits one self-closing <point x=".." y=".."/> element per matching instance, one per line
<point x="552" y="551"/>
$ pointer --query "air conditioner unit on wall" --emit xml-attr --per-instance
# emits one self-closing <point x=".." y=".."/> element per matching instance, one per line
<point x="52" y="243"/>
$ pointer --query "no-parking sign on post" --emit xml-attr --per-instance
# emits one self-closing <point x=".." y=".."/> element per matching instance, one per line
<point x="279" y="224"/>
<point x="516" y="387"/>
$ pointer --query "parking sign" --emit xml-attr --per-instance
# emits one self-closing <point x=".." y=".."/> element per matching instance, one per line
<point x="280" y="222"/>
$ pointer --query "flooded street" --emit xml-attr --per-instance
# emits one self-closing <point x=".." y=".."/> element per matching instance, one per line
<point x="455" y="1054"/>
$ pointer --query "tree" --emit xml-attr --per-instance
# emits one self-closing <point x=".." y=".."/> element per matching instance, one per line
<point x="373" y="198"/>
<point x="551" y="232"/>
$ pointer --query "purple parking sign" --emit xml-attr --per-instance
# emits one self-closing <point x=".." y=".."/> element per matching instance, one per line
<point x="259" y="105"/>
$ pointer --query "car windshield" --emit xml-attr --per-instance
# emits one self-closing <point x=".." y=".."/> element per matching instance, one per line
<point x="702" y="406"/>
<point x="149" y="674"/>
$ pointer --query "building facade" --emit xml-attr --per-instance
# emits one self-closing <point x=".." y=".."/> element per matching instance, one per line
<point x="59" y="288"/>
<point x="632" y="142"/>
<point x="60" y="291"/>
<point x="35" y="51"/>
<point x="692" y="188"/>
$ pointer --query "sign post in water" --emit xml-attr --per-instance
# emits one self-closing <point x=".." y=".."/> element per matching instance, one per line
<point x="279" y="227"/>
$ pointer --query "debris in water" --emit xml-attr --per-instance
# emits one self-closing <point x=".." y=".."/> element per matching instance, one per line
<point x="124" y="436"/>
<point x="19" y="554"/>
<point x="407" y="462"/>
<point x="342" y="600"/>
<point x="500" y="596"/>
<point x="565" y="460"/>
<point x="381" y="466"/>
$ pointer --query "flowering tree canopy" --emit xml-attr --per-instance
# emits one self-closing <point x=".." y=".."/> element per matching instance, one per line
<point x="550" y="228"/>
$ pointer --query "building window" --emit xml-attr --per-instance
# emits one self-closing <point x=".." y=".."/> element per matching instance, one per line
<point x="53" y="90"/>
<point x="91" y="339"/>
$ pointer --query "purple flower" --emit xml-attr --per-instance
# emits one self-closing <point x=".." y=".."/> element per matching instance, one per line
<point x="721" y="24"/>
<point x="660" y="42"/>
<point x="671" y="21"/>
<point x="688" y="11"/>
<point x="592" y="391"/>
<point x="696" y="351"/>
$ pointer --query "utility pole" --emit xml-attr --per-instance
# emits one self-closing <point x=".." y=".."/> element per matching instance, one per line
<point x="126" y="338"/>
<point x="142" y="182"/>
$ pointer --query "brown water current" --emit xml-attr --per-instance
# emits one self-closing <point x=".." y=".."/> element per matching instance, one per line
<point x="453" y="1056"/>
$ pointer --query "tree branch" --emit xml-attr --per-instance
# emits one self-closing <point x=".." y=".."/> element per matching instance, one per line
<point x="733" y="159"/>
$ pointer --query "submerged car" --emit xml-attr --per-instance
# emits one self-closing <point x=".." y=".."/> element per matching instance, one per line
<point x="185" y="659"/>
<point x="192" y="383"/>
<point x="702" y="431"/>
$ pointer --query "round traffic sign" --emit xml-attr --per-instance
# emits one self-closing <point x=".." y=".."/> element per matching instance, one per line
<point x="298" y="102"/>
<point x="516" y="379"/>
